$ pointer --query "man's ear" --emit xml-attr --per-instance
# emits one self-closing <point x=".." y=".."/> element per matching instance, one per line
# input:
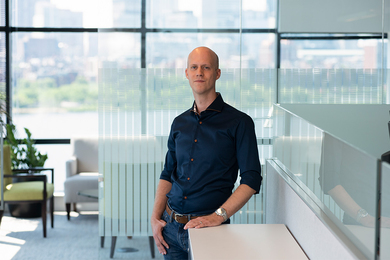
<point x="218" y="73"/>
<point x="186" y="74"/>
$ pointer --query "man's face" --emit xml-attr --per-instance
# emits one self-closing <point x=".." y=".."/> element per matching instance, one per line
<point x="202" y="71"/>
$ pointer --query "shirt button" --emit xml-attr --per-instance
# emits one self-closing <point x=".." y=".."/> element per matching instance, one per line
<point x="188" y="178"/>
<point x="192" y="159"/>
<point x="185" y="197"/>
<point x="200" y="122"/>
<point x="196" y="140"/>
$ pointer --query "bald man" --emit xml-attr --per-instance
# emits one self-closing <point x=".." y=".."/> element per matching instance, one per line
<point x="207" y="146"/>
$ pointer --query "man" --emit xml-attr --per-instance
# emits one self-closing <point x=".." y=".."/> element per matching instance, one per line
<point x="207" y="145"/>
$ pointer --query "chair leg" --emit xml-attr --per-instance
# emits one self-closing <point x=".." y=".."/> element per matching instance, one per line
<point x="1" y="215"/>
<point x="151" y="244"/>
<point x="52" y="211"/>
<point x="112" y="250"/>
<point x="102" y="241"/>
<point x="75" y="207"/>
<point x="44" y="217"/>
<point x="68" y="210"/>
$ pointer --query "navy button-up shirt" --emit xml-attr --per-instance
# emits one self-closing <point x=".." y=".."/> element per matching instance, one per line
<point x="204" y="154"/>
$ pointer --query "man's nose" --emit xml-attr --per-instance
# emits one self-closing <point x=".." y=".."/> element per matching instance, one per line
<point x="199" y="72"/>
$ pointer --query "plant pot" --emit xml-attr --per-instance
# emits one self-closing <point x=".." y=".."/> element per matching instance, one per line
<point x="25" y="210"/>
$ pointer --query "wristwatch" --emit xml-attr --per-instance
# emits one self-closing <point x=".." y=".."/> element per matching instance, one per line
<point x="222" y="212"/>
<point x="362" y="213"/>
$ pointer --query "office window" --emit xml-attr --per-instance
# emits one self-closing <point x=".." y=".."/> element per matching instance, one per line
<point x="216" y="14"/>
<point x="258" y="50"/>
<point x="2" y="12"/>
<point x="331" y="53"/>
<point x="119" y="50"/>
<point x="54" y="83"/>
<point x="170" y="50"/>
<point x="76" y="13"/>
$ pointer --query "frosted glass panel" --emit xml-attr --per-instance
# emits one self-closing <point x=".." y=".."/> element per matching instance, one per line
<point x="330" y="86"/>
<point x="136" y="109"/>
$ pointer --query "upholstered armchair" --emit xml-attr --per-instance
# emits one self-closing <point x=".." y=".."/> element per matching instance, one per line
<point x="28" y="188"/>
<point x="81" y="171"/>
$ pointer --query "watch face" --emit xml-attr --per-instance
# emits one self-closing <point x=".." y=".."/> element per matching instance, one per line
<point x="221" y="212"/>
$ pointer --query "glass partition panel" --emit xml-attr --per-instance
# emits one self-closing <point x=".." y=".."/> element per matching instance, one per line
<point x="349" y="177"/>
<point x="136" y="109"/>
<point x="385" y="213"/>
<point x="297" y="144"/>
<point x="338" y="177"/>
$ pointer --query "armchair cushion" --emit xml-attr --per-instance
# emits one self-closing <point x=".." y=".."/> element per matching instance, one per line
<point x="30" y="190"/>
<point x="86" y="150"/>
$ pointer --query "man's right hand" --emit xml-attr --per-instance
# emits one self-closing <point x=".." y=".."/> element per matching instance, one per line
<point x="157" y="227"/>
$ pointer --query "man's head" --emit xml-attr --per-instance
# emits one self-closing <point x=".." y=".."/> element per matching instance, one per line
<point x="202" y="70"/>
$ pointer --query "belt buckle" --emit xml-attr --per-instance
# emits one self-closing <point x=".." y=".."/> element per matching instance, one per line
<point x="178" y="215"/>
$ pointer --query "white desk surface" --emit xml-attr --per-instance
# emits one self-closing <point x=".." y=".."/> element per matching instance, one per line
<point x="244" y="241"/>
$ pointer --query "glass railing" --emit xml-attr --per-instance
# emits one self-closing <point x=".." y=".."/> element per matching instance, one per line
<point x="339" y="178"/>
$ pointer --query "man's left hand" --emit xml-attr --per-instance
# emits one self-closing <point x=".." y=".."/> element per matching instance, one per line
<point x="211" y="220"/>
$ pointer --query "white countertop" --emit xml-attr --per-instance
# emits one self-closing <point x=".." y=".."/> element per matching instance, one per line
<point x="244" y="241"/>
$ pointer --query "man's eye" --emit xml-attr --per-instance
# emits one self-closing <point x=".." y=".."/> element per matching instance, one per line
<point x="193" y="67"/>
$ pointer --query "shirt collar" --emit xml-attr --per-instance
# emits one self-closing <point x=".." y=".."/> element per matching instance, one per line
<point x="215" y="106"/>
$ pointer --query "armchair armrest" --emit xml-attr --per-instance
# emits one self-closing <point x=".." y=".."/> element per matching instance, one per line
<point x="25" y="177"/>
<point x="71" y="166"/>
<point x="24" y="173"/>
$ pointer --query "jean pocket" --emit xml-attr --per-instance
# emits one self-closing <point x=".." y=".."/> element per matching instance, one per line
<point x="166" y="216"/>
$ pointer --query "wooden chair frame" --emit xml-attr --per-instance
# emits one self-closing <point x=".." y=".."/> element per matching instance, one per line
<point x="28" y="175"/>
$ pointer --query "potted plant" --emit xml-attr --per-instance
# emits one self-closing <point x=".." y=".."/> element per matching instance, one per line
<point x="24" y="155"/>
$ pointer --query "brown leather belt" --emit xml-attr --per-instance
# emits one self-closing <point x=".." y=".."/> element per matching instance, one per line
<point x="179" y="218"/>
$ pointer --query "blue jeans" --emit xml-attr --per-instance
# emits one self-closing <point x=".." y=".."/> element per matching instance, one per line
<point x="177" y="239"/>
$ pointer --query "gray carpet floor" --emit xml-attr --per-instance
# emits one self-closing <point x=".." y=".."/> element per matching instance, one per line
<point x="22" y="239"/>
